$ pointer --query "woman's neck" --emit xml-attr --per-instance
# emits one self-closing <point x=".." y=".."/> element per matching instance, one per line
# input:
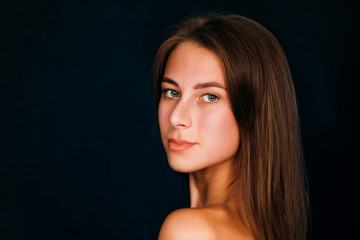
<point x="209" y="186"/>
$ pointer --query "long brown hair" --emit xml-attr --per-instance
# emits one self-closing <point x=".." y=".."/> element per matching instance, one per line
<point x="270" y="184"/>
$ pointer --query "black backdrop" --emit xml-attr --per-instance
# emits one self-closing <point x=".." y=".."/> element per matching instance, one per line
<point x="80" y="156"/>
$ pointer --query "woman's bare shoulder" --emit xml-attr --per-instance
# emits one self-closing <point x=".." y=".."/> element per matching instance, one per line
<point x="186" y="223"/>
<point x="200" y="223"/>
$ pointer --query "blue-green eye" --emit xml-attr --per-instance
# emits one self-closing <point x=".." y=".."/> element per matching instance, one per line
<point x="171" y="93"/>
<point x="210" y="97"/>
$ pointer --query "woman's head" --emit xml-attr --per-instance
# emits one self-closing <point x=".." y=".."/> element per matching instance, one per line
<point x="250" y="54"/>
<point x="195" y="112"/>
<point x="268" y="177"/>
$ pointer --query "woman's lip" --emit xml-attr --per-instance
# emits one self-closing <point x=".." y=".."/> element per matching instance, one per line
<point x="179" y="145"/>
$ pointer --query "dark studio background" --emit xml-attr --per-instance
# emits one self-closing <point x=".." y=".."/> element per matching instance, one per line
<point x="80" y="156"/>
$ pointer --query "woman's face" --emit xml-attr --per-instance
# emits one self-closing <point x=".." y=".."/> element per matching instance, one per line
<point x="197" y="126"/>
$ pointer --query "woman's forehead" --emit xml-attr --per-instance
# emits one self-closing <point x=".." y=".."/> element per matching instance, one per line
<point x="192" y="64"/>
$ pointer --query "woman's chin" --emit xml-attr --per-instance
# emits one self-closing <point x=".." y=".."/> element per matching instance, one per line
<point x="183" y="167"/>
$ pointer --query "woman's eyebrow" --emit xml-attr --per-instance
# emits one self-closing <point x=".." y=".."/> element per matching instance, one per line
<point x="197" y="86"/>
<point x="168" y="80"/>
<point x="209" y="84"/>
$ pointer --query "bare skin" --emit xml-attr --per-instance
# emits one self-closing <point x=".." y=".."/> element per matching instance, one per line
<point x="210" y="195"/>
<point x="202" y="117"/>
<point x="209" y="186"/>
<point x="212" y="214"/>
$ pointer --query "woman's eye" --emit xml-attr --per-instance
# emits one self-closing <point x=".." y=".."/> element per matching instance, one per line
<point x="210" y="97"/>
<point x="171" y="93"/>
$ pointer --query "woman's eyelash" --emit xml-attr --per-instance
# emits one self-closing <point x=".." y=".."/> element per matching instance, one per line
<point x="207" y="97"/>
<point x="168" y="91"/>
<point x="212" y="98"/>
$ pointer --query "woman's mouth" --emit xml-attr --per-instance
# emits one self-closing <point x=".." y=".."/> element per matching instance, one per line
<point x="179" y="145"/>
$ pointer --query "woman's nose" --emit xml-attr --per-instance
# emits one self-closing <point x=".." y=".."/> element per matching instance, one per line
<point x="180" y="116"/>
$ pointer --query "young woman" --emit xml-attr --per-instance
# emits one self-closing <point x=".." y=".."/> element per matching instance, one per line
<point x="228" y="118"/>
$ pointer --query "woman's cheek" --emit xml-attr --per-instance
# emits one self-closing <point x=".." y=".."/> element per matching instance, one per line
<point x="220" y="128"/>
<point x="164" y="112"/>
